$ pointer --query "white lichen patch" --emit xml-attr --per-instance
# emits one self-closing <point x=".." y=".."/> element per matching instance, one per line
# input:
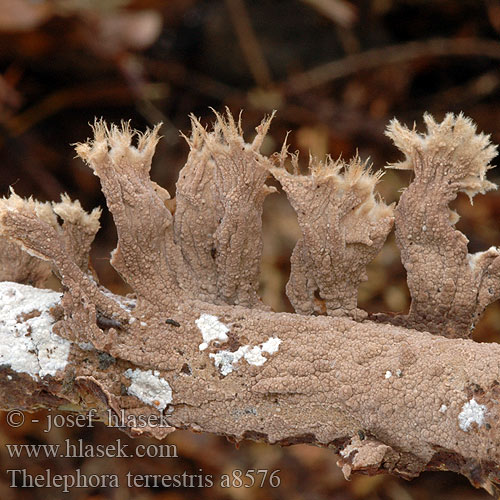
<point x="86" y="346"/>
<point x="472" y="413"/>
<point x="225" y="361"/>
<point x="126" y="303"/>
<point x="388" y="374"/>
<point x="149" y="387"/>
<point x="211" y="329"/>
<point x="271" y="345"/>
<point x="27" y="343"/>
<point x="443" y="409"/>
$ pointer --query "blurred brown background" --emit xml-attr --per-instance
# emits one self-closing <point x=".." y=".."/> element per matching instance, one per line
<point x="335" y="70"/>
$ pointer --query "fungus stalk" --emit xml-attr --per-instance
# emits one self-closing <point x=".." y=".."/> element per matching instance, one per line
<point x="449" y="287"/>
<point x="343" y="228"/>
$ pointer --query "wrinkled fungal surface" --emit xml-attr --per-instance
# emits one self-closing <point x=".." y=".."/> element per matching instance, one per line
<point x="194" y="343"/>
<point x="343" y="228"/>
<point x="449" y="287"/>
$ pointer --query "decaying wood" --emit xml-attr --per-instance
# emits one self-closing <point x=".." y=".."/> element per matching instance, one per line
<point x="195" y="345"/>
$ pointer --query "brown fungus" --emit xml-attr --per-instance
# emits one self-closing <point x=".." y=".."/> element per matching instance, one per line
<point x="343" y="227"/>
<point x="449" y="287"/>
<point x="196" y="348"/>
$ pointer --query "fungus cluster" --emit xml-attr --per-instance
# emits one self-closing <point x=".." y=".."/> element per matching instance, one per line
<point x="194" y="342"/>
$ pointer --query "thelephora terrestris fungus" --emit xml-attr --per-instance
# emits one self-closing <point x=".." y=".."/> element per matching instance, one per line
<point x="194" y="345"/>
<point x="218" y="219"/>
<point x="343" y="227"/>
<point x="449" y="287"/>
<point x="21" y="267"/>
